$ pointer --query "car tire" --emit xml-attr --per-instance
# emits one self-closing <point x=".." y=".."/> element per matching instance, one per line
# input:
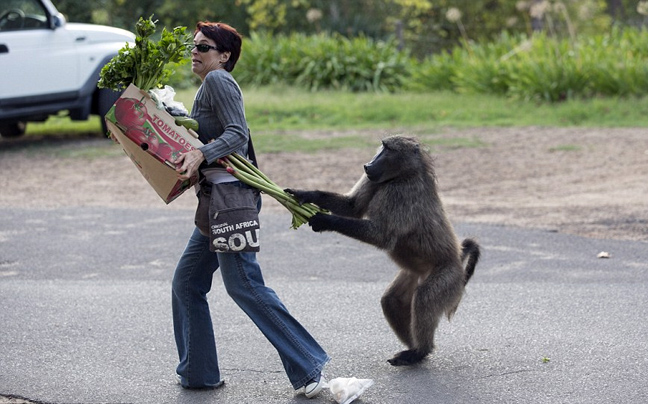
<point x="12" y="129"/>
<point x="105" y="100"/>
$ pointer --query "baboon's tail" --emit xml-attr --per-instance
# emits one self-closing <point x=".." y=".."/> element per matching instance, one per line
<point x="470" y="252"/>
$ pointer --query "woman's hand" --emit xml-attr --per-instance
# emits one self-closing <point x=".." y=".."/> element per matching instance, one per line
<point x="187" y="164"/>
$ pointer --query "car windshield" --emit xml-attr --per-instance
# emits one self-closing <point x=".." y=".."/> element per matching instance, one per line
<point x="21" y="15"/>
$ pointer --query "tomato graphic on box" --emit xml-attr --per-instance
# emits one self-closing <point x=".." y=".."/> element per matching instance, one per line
<point x="131" y="112"/>
<point x="132" y="116"/>
<point x="166" y="152"/>
<point x="149" y="135"/>
<point x="145" y="137"/>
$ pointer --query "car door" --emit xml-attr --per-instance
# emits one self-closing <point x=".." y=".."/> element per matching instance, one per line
<point x="35" y="59"/>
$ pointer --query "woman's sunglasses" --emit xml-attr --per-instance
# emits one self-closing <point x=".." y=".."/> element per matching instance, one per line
<point x="203" y="48"/>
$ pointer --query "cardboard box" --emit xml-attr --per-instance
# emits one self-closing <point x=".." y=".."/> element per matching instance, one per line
<point x="152" y="140"/>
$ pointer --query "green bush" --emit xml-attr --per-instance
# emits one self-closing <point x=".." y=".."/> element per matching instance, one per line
<point x="437" y="73"/>
<point x="616" y="63"/>
<point x="182" y="76"/>
<point x="542" y="67"/>
<point x="323" y="62"/>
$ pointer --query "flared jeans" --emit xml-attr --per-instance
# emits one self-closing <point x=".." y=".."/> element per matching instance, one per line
<point x="302" y="357"/>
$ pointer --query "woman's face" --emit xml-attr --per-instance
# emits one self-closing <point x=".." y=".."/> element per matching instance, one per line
<point x="203" y="63"/>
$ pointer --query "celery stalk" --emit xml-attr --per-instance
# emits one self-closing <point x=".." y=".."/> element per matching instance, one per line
<point x="247" y="173"/>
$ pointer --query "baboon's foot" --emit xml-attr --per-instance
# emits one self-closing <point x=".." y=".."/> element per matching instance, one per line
<point x="406" y="358"/>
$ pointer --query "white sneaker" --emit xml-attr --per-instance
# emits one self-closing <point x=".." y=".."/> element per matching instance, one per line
<point x="313" y="388"/>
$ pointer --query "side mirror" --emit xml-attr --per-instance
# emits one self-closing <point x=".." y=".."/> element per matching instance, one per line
<point x="57" y="21"/>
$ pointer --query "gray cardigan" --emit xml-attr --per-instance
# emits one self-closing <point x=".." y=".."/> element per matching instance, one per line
<point x="218" y="108"/>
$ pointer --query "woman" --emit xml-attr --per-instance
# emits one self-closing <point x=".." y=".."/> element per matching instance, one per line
<point x="218" y="108"/>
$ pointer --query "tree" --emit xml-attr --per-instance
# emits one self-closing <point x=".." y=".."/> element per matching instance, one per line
<point x="422" y="24"/>
<point x="616" y="9"/>
<point x="76" y="10"/>
<point x="191" y="11"/>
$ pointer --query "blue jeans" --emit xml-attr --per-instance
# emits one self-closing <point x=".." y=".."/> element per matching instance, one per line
<point x="302" y="357"/>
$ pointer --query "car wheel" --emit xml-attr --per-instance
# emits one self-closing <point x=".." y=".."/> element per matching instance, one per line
<point x="12" y="129"/>
<point x="105" y="100"/>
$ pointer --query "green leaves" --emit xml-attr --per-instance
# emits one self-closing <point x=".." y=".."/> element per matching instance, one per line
<point x="323" y="62"/>
<point x="145" y="28"/>
<point x="541" y="67"/>
<point x="145" y="64"/>
<point x="120" y="71"/>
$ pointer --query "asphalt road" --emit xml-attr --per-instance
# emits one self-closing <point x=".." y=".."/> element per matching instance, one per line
<point x="86" y="315"/>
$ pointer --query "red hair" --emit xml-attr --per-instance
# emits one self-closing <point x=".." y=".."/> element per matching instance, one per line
<point x="226" y="37"/>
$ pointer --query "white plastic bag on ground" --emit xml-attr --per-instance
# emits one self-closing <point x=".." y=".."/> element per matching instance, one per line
<point x="347" y="389"/>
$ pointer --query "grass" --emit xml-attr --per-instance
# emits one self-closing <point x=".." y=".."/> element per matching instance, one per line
<point x="62" y="124"/>
<point x="281" y="108"/>
<point x="565" y="148"/>
<point x="280" y="116"/>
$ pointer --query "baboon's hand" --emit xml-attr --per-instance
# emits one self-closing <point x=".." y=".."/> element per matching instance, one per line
<point x="320" y="222"/>
<point x="301" y="196"/>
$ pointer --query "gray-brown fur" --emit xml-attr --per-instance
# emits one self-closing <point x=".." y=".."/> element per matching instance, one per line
<point x="395" y="206"/>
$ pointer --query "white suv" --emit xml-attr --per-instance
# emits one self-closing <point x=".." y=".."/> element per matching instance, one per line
<point x="48" y="65"/>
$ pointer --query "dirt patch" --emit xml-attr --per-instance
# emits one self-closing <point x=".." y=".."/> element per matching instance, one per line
<point x="589" y="182"/>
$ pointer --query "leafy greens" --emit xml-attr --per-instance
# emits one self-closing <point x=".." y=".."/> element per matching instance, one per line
<point x="144" y="64"/>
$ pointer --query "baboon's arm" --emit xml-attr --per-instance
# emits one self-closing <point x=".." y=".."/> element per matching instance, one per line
<point x="338" y="204"/>
<point x="363" y="230"/>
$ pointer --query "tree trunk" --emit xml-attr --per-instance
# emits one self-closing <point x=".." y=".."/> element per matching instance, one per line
<point x="537" y="22"/>
<point x="616" y="9"/>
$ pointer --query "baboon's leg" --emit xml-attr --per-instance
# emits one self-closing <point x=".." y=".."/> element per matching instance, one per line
<point x="397" y="305"/>
<point x="437" y="294"/>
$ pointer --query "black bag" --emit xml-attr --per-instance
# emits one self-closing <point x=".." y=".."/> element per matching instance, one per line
<point x="227" y="213"/>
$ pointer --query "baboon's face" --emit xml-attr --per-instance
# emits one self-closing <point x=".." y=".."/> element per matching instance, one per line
<point x="383" y="167"/>
<point x="398" y="156"/>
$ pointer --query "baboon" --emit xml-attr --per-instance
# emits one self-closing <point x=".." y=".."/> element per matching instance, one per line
<point x="395" y="206"/>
